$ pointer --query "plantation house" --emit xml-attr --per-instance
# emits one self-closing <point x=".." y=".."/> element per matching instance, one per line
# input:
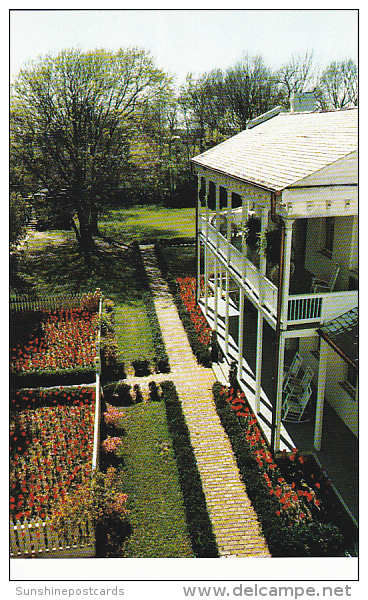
<point x="277" y="240"/>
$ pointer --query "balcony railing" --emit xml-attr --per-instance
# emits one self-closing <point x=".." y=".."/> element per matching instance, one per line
<point x="302" y="308"/>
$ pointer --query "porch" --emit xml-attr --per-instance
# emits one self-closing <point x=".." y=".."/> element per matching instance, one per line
<point x="304" y="307"/>
<point x="340" y="461"/>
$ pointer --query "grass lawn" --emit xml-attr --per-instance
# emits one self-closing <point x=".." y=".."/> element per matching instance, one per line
<point x="151" y="480"/>
<point x="142" y="222"/>
<point x="180" y="260"/>
<point x="133" y="333"/>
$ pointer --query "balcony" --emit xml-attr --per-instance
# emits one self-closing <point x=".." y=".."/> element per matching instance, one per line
<point x="304" y="308"/>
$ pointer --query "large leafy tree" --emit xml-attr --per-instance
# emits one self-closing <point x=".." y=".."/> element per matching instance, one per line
<point x="71" y="122"/>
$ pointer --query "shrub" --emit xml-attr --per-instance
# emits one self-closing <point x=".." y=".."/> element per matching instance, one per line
<point x="138" y="397"/>
<point x="118" y="393"/>
<point x="141" y="367"/>
<point x="101" y="500"/>
<point x="288" y="534"/>
<point x="154" y="392"/>
<point x="199" y="524"/>
<point x="52" y="378"/>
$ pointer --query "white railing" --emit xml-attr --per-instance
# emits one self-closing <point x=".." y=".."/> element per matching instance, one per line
<point x="302" y="308"/>
<point x="320" y="308"/>
<point x="39" y="539"/>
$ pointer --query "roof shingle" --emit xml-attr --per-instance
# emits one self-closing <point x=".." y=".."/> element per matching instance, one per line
<point x="286" y="148"/>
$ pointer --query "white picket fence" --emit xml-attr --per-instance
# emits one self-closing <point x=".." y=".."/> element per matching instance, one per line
<point x="66" y="301"/>
<point x="38" y="539"/>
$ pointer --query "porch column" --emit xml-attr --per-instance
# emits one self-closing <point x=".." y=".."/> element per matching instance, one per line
<point x="199" y="227"/>
<point x="259" y="360"/>
<point x="321" y="387"/>
<point x="284" y="311"/>
<point x="286" y="271"/>
<point x="241" y="333"/>
<point x="262" y="273"/>
<point x="228" y="236"/>
<point x="217" y="227"/>
<point x="280" y="378"/>
<point x="206" y="249"/>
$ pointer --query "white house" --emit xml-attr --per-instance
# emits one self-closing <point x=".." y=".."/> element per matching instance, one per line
<point x="296" y="173"/>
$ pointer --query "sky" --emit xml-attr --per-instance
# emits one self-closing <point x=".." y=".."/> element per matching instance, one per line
<point x="193" y="40"/>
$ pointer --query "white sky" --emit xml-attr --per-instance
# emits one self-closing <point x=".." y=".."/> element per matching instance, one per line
<point x="183" y="41"/>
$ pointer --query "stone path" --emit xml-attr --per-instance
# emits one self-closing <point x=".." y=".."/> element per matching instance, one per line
<point x="233" y="518"/>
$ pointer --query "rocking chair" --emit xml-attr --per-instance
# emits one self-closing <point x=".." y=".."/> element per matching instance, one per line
<point x="292" y="372"/>
<point x="319" y="285"/>
<point x="295" y="405"/>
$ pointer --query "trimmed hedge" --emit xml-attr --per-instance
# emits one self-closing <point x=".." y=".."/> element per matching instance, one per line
<point x="161" y="359"/>
<point x="199" y="524"/>
<point x="76" y="376"/>
<point x="297" y="540"/>
<point x="201" y="352"/>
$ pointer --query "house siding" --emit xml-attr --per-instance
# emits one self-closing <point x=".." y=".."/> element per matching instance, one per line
<point x="321" y="265"/>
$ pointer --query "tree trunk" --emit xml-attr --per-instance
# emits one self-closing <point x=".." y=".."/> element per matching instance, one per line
<point x="94" y="222"/>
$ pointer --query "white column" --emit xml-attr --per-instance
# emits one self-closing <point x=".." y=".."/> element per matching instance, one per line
<point x="259" y="349"/>
<point x="199" y="215"/>
<point x="206" y="249"/>
<point x="216" y="283"/>
<point x="241" y="333"/>
<point x="280" y="377"/>
<point x="259" y="361"/>
<point x="228" y="219"/>
<point x="321" y="387"/>
<point x="286" y="273"/>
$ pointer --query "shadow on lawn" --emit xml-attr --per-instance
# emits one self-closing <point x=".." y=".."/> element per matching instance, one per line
<point x="63" y="269"/>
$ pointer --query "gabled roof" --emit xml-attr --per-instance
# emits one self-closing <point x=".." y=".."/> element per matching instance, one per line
<point x="286" y="148"/>
<point x="342" y="335"/>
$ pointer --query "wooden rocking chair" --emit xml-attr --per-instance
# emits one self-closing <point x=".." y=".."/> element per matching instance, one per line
<point x="319" y="285"/>
<point x="291" y="373"/>
<point x="295" y="405"/>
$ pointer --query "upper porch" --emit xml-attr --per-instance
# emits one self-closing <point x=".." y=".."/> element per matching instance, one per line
<point x="225" y="251"/>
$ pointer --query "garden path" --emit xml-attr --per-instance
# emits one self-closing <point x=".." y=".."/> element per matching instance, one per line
<point x="233" y="518"/>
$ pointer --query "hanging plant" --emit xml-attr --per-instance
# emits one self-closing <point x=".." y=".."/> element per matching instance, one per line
<point x="273" y="246"/>
<point x="252" y="231"/>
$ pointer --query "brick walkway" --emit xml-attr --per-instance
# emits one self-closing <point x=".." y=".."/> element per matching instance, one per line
<point x="233" y="519"/>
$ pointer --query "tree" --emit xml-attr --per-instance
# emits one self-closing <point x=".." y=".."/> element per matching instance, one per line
<point x="298" y="75"/>
<point x="203" y="103"/>
<point x="251" y="89"/>
<point x="339" y="85"/>
<point x="18" y="214"/>
<point x="70" y="127"/>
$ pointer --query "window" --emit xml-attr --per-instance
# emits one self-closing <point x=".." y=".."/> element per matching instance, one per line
<point x="351" y="377"/>
<point x="351" y="380"/>
<point x="328" y="236"/>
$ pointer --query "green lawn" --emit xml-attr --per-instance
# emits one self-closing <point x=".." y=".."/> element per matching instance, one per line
<point x="133" y="333"/>
<point x="151" y="480"/>
<point x="142" y="222"/>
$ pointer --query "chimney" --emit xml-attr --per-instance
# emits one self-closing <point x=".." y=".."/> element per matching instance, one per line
<point x="303" y="102"/>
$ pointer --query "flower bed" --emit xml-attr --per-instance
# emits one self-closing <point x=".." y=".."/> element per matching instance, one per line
<point x="51" y="443"/>
<point x="196" y="326"/>
<point x="293" y="518"/>
<point x="65" y="339"/>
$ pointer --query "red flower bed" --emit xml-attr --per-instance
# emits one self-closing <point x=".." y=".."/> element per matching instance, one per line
<point x="67" y="341"/>
<point x="50" y="448"/>
<point x="296" y="504"/>
<point x="187" y="289"/>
